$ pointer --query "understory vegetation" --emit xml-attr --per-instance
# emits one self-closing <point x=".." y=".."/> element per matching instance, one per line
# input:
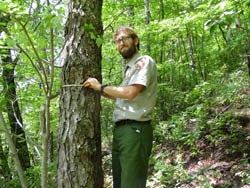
<point x="207" y="144"/>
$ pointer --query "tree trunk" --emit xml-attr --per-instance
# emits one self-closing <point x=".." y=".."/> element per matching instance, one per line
<point x="45" y="127"/>
<point x="147" y="20"/>
<point x="4" y="166"/>
<point x="192" y="54"/>
<point x="79" y="137"/>
<point x="130" y="14"/>
<point x="248" y="62"/>
<point x="51" y="147"/>
<point x="14" y="114"/>
<point x="13" y="151"/>
<point x="162" y="12"/>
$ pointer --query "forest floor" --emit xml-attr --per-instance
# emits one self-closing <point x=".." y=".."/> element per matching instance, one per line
<point x="222" y="162"/>
<point x="213" y="165"/>
<point x="212" y="168"/>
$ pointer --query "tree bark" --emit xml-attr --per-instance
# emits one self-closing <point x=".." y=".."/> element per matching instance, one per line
<point x="4" y="166"/>
<point x="130" y="14"/>
<point x="14" y="114"/>
<point x="79" y="137"/>
<point x="13" y="152"/>
<point x="193" y="62"/>
<point x="51" y="147"/>
<point x="162" y="12"/>
<point x="248" y="62"/>
<point x="147" y="21"/>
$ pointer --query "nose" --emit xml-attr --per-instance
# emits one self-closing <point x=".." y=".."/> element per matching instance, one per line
<point x="120" y="42"/>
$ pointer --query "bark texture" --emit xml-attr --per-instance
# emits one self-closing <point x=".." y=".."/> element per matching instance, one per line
<point x="13" y="110"/>
<point x="79" y="142"/>
<point x="5" y="172"/>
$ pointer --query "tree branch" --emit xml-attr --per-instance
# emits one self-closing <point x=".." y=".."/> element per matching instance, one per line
<point x="114" y="19"/>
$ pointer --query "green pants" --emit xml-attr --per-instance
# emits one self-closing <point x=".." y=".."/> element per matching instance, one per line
<point x="132" y="144"/>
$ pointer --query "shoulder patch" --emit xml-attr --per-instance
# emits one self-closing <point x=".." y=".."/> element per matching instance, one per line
<point x="140" y="64"/>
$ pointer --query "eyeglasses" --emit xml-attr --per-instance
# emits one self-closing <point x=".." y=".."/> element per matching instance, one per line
<point x="122" y="39"/>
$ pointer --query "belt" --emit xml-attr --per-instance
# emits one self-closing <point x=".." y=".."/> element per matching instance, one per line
<point x="130" y="121"/>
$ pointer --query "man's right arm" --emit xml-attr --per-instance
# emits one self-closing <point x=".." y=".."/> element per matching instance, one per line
<point x="124" y="92"/>
<point x="108" y="96"/>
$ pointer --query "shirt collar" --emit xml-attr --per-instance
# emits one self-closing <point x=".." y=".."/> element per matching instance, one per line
<point x="134" y="59"/>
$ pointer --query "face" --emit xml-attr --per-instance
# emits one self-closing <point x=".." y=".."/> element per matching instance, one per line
<point x="126" y="45"/>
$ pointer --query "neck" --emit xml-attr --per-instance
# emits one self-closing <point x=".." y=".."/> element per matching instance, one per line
<point x="128" y="59"/>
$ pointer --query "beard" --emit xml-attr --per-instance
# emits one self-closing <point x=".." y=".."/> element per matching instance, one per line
<point x="128" y="53"/>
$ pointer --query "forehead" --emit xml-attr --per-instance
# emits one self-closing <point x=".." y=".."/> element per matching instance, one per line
<point x="121" y="34"/>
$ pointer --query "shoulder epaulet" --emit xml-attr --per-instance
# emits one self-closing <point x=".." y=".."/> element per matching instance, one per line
<point x="140" y="63"/>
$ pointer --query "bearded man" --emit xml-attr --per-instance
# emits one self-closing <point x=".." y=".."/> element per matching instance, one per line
<point x="134" y="103"/>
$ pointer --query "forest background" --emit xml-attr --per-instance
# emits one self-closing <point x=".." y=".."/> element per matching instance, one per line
<point x="202" y="117"/>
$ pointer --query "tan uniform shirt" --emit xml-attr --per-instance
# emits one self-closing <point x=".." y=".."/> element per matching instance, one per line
<point x="139" y="70"/>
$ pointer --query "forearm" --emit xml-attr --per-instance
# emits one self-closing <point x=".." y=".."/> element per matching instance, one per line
<point x="108" y="96"/>
<point x="124" y="92"/>
<point x="114" y="92"/>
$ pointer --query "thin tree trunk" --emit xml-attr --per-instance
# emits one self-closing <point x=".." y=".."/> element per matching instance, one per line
<point x="185" y="49"/>
<point x="51" y="147"/>
<point x="203" y="56"/>
<point x="191" y="54"/>
<point x="4" y="166"/>
<point x="248" y="63"/>
<point x="162" y="12"/>
<point x="130" y="14"/>
<point x="172" y="60"/>
<point x="162" y="51"/>
<point x="197" y="48"/>
<point x="181" y="79"/>
<point x="45" y="121"/>
<point x="45" y="124"/>
<point x="13" y="152"/>
<point x="162" y="41"/>
<point x="147" y="20"/>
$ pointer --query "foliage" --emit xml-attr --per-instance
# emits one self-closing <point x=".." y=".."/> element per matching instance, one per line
<point x="206" y="123"/>
<point x="169" y="175"/>
<point x="28" y="31"/>
<point x="33" y="178"/>
<point x="201" y="50"/>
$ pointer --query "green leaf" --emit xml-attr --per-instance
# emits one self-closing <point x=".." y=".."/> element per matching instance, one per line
<point x="99" y="41"/>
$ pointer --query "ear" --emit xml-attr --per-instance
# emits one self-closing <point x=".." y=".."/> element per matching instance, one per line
<point x="136" y="41"/>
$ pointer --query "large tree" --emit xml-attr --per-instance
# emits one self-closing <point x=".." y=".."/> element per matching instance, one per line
<point x="79" y="137"/>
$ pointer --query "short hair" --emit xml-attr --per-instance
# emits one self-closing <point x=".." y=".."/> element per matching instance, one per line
<point x="130" y="32"/>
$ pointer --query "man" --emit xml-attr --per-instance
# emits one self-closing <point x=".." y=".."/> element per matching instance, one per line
<point x="135" y="99"/>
